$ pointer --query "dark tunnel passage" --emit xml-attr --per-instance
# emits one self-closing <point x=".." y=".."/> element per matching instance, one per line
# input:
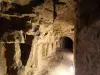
<point x="66" y="43"/>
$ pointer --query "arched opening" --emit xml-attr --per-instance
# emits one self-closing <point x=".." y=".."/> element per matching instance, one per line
<point x="66" y="43"/>
<point x="66" y="50"/>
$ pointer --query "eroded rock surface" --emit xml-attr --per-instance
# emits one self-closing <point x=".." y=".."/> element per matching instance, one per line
<point x="29" y="34"/>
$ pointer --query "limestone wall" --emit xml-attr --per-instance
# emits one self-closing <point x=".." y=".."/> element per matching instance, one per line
<point x="30" y="34"/>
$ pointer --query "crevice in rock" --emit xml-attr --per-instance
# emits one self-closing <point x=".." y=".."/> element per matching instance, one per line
<point x="9" y="55"/>
<point x="56" y="2"/>
<point x="25" y="52"/>
<point x="54" y="6"/>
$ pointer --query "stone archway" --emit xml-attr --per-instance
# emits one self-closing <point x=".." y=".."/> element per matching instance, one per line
<point x="66" y="43"/>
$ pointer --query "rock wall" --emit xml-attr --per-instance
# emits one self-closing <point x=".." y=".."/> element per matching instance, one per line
<point x="29" y="34"/>
<point x="87" y="50"/>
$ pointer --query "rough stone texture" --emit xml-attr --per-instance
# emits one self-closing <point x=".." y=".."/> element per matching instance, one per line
<point x="35" y="35"/>
<point x="2" y="60"/>
<point x="87" y="49"/>
<point x="21" y="2"/>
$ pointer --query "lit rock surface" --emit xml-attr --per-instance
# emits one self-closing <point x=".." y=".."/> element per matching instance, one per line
<point x="34" y="31"/>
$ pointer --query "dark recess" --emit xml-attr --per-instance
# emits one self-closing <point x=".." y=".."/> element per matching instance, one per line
<point x="12" y="8"/>
<point x="14" y="24"/>
<point x="29" y="39"/>
<point x="9" y="55"/>
<point x="25" y="52"/>
<point x="61" y="3"/>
